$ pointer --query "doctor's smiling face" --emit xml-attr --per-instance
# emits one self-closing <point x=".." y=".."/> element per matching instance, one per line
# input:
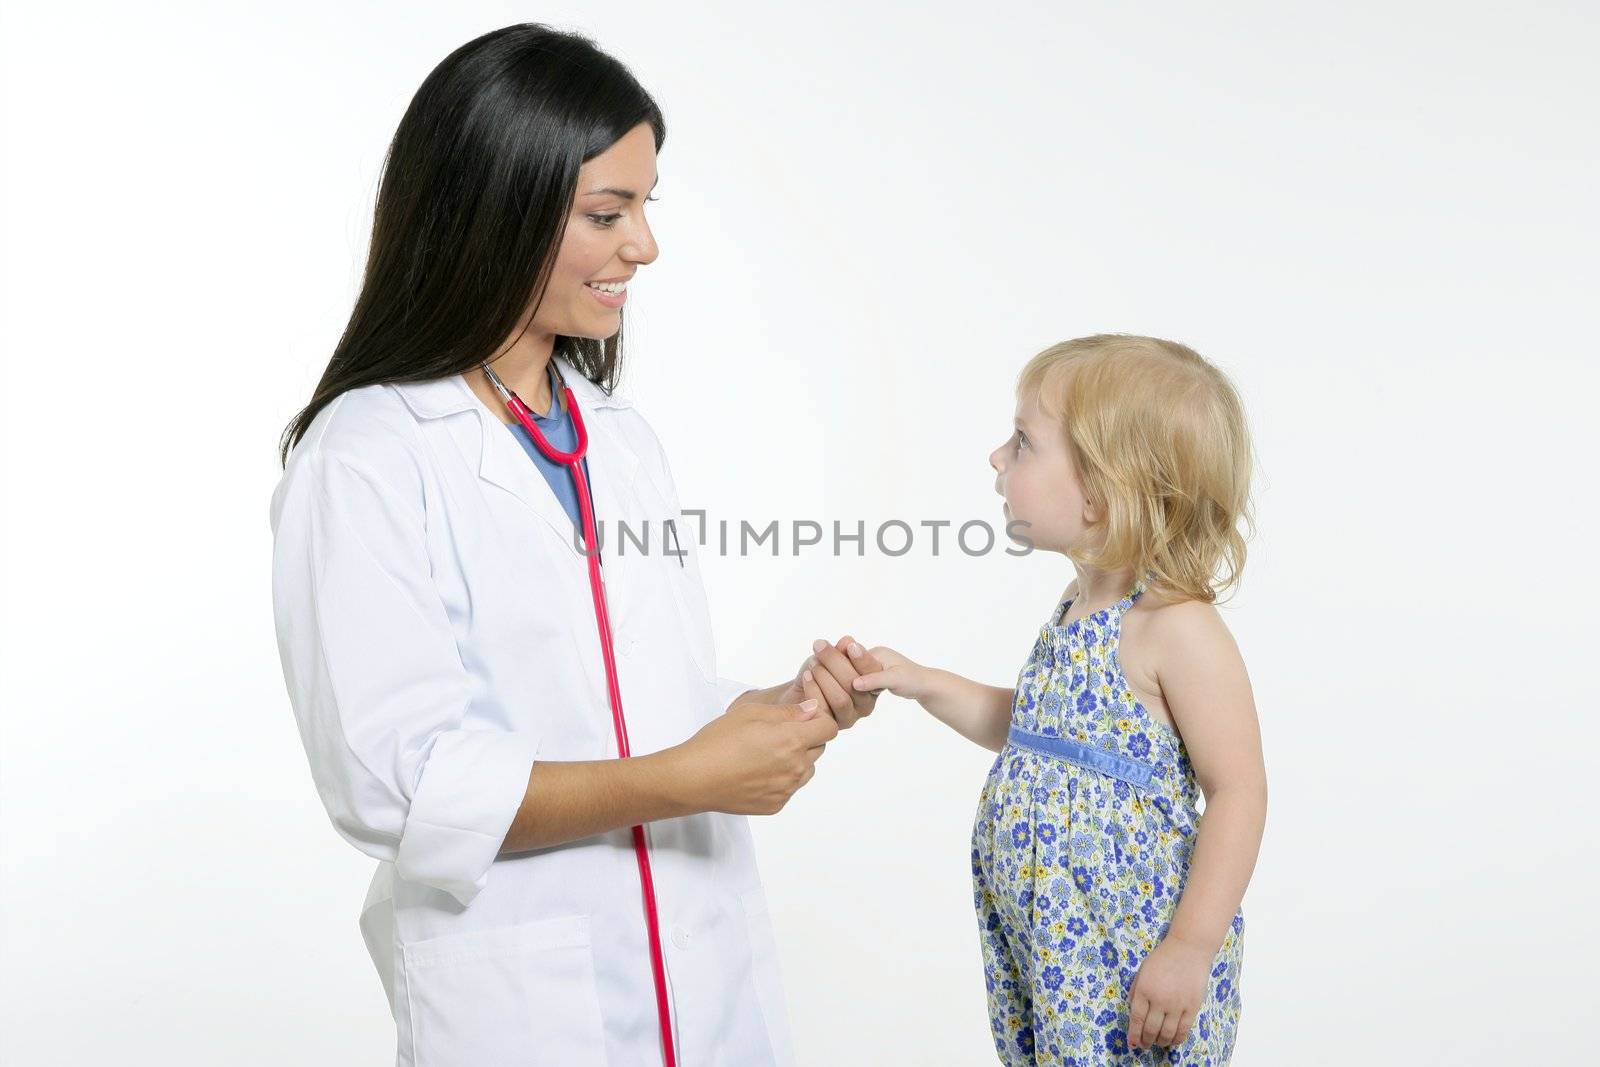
<point x="1035" y="473"/>
<point x="607" y="240"/>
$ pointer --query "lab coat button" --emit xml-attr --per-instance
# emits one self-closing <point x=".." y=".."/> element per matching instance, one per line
<point x="680" y="937"/>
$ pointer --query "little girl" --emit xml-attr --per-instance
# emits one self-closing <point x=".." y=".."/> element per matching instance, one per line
<point x="1108" y="908"/>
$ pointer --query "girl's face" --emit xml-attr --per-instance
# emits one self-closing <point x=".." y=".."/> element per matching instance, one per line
<point x="607" y="240"/>
<point x="1035" y="474"/>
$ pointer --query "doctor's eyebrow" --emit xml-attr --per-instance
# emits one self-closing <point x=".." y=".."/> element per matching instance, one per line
<point x="625" y="194"/>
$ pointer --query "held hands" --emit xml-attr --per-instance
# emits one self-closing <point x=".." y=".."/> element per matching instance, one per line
<point x="849" y="678"/>
<point x="753" y="758"/>
<point x="1167" y="994"/>
<point x="828" y="675"/>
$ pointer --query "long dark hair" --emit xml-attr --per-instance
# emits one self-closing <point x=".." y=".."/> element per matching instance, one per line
<point x="472" y="206"/>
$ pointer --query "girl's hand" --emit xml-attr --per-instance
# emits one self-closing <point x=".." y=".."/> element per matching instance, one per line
<point x="899" y="675"/>
<point x="827" y="676"/>
<point x="1167" y="994"/>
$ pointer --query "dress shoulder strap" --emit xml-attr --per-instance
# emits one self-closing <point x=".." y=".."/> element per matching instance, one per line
<point x="1139" y="586"/>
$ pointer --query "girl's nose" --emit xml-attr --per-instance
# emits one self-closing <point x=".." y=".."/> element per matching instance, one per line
<point x="994" y="459"/>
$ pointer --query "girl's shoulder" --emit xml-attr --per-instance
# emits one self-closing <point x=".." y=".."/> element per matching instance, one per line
<point x="1173" y="614"/>
<point x="1163" y="628"/>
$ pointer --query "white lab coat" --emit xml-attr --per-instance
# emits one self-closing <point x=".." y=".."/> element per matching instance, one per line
<point x="437" y="637"/>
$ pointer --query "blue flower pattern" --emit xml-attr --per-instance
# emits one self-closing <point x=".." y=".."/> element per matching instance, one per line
<point x="1076" y="874"/>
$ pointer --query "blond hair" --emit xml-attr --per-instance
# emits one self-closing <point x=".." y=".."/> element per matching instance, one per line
<point x="1160" y="443"/>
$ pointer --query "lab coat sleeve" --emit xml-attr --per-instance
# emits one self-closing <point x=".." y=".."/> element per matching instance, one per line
<point x="378" y="686"/>
<point x="729" y="689"/>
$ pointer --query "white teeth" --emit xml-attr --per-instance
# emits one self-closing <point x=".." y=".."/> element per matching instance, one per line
<point x="608" y="287"/>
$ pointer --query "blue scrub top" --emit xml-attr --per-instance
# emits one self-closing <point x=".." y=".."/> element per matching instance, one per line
<point x="558" y="429"/>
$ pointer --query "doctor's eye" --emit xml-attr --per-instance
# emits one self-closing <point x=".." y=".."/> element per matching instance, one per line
<point x="611" y="219"/>
<point x="1020" y="438"/>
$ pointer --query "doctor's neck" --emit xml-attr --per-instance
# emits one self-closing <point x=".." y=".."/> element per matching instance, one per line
<point x="524" y="368"/>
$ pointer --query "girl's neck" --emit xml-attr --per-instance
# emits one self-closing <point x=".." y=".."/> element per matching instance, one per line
<point x="1100" y="589"/>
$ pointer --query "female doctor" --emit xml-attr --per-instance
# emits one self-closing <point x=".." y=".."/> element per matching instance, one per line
<point x="538" y="898"/>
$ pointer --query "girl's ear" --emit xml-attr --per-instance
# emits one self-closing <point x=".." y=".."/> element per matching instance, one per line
<point x="1091" y="513"/>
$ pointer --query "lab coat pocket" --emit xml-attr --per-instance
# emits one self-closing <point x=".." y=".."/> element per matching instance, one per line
<point x="765" y="974"/>
<point x="522" y="995"/>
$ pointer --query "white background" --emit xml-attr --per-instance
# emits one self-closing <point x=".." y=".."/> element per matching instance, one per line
<point x="1379" y="219"/>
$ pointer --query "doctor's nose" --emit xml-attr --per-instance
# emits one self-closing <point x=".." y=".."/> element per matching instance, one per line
<point x="641" y="248"/>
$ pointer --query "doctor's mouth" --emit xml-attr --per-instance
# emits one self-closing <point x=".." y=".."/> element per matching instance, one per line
<point x="890" y="537"/>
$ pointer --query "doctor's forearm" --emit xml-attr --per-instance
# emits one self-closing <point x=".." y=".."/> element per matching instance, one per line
<point x="570" y="801"/>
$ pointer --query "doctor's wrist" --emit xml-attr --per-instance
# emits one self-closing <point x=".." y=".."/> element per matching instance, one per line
<point x="675" y="784"/>
<point x="769" y="695"/>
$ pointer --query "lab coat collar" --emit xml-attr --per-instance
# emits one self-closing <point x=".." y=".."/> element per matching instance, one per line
<point x="591" y="394"/>
<point x="436" y="397"/>
<point x="502" y="461"/>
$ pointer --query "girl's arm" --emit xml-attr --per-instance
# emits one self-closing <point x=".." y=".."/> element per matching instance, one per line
<point x="1203" y="680"/>
<point x="980" y="713"/>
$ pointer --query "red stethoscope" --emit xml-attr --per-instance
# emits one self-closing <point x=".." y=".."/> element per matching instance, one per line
<point x="597" y="590"/>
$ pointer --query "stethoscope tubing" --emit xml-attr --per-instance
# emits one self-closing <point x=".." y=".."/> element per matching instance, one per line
<point x="572" y="460"/>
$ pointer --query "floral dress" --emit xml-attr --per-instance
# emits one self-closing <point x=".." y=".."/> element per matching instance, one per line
<point x="1080" y="849"/>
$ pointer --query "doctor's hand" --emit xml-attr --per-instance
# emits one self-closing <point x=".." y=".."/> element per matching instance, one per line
<point x="754" y="757"/>
<point x="827" y="677"/>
